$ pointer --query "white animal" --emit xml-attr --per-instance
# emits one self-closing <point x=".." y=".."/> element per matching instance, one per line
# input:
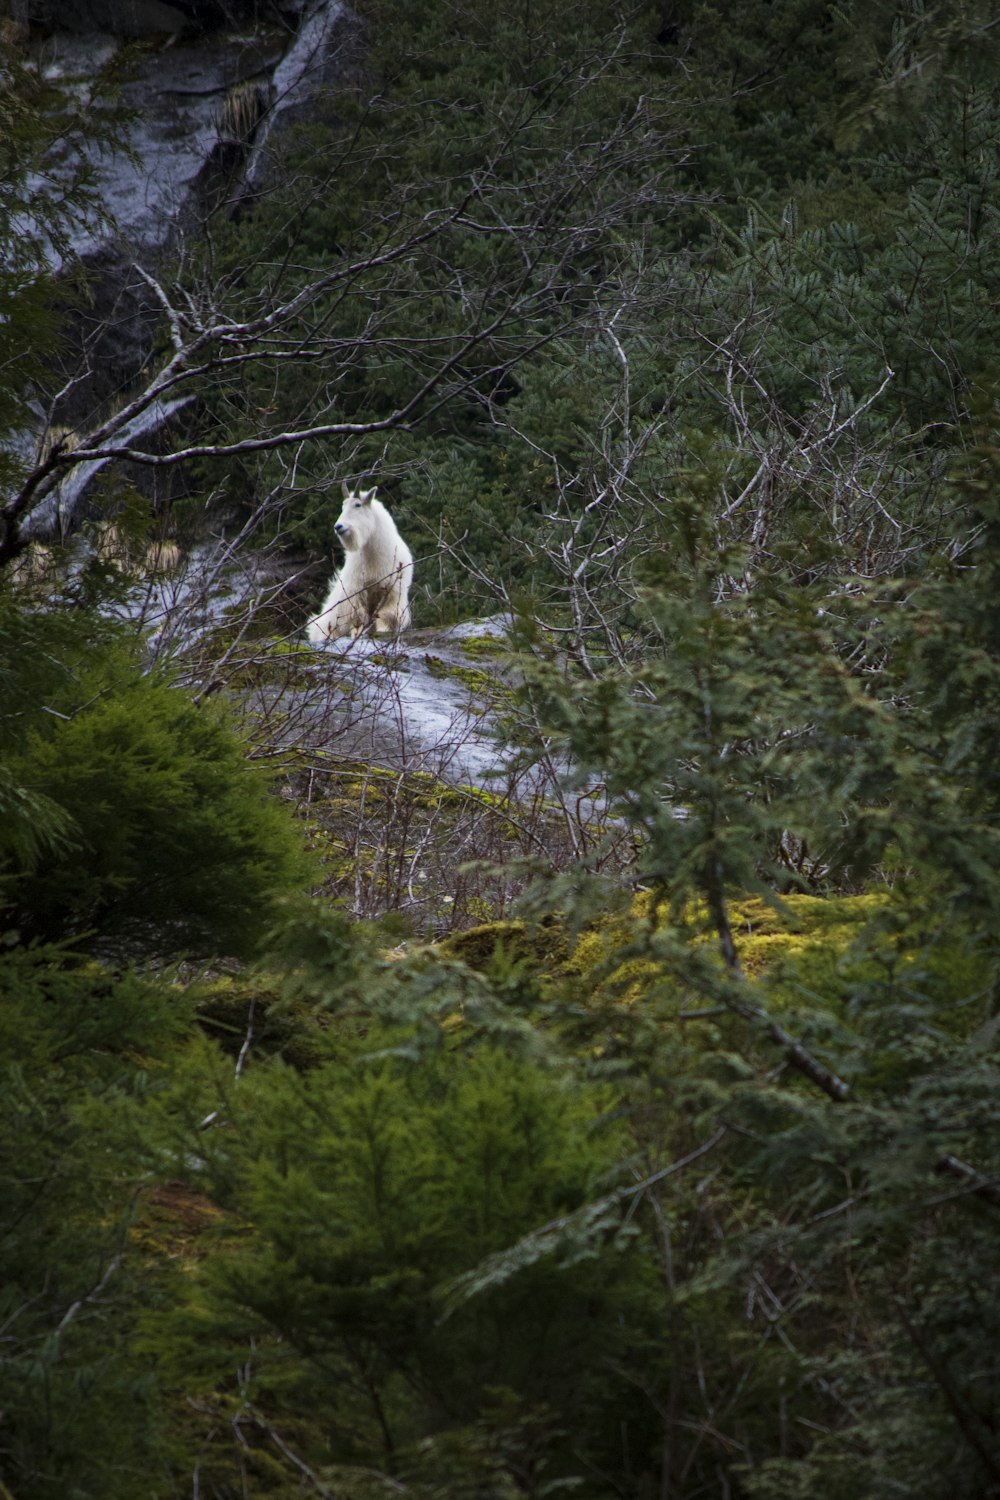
<point x="371" y="590"/>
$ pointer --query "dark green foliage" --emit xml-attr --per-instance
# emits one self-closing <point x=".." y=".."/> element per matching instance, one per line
<point x="31" y="667"/>
<point x="368" y="1185"/>
<point x="696" y="211"/>
<point x="753" y="753"/>
<point x="75" y="1042"/>
<point x="137" y="823"/>
<point x="688" y="1195"/>
<point x="954" y="648"/>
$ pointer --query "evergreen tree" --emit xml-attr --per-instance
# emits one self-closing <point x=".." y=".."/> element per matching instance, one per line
<point x="352" y="1196"/>
<point x="692" y="1190"/>
<point x="78" y="1412"/>
<point x="137" y="824"/>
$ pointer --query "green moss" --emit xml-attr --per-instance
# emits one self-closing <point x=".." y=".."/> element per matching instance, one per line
<point x="806" y="940"/>
<point x="233" y="1009"/>
<point x="767" y="936"/>
<point x="172" y="1221"/>
<point x="543" y="948"/>
<point x="392" y="661"/>
<point x="352" y="780"/>
<point x="484" y="646"/>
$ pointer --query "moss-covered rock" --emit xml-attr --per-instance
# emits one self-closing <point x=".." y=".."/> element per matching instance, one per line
<point x="804" y="937"/>
<point x="544" y="947"/>
<point x="248" y="1011"/>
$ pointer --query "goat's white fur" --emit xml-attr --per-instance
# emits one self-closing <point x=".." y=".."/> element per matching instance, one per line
<point x="371" y="591"/>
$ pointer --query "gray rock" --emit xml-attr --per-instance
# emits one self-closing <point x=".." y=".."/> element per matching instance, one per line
<point x="194" y="141"/>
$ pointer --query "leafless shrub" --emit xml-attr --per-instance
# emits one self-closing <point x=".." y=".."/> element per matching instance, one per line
<point x="388" y="749"/>
<point x="428" y="818"/>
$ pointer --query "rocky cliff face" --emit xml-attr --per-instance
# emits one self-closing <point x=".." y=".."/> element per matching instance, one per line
<point x="213" y="86"/>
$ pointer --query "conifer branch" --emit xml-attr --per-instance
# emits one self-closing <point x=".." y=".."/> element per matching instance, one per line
<point x="987" y="1188"/>
<point x="968" y="1422"/>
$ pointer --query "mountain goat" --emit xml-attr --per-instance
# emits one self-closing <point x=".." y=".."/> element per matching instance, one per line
<point x="370" y="592"/>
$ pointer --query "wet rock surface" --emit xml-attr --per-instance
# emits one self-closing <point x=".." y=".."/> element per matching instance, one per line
<point x="212" y="95"/>
<point x="427" y="701"/>
<point x="424" y="702"/>
<point x="180" y="147"/>
<point x="153" y="192"/>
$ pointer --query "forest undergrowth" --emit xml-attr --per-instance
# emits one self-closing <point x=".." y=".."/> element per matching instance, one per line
<point x="625" y="1125"/>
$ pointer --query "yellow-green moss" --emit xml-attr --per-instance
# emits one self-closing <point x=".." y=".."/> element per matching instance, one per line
<point x="810" y="933"/>
<point x="807" y="924"/>
<point x="485" y="646"/>
<point x="482" y="685"/>
<point x="810" y="948"/>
